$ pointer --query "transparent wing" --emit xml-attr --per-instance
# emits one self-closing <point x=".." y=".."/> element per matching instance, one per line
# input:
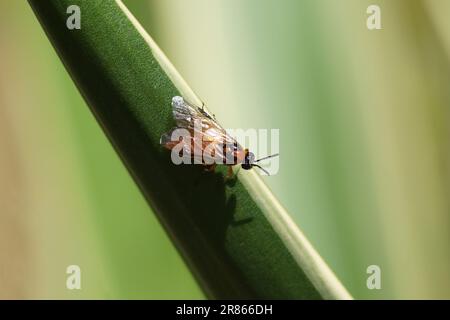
<point x="183" y="113"/>
<point x="186" y="144"/>
<point x="205" y="147"/>
<point x="198" y="120"/>
<point x="206" y="134"/>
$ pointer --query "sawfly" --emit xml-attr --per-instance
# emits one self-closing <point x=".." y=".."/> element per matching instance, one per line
<point x="206" y="141"/>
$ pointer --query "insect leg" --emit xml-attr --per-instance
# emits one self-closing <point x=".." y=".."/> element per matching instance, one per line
<point x="210" y="168"/>
<point x="230" y="172"/>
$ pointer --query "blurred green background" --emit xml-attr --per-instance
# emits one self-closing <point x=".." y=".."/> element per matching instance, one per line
<point x="364" y="126"/>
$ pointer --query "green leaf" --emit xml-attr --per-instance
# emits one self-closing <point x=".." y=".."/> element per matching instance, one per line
<point x="235" y="236"/>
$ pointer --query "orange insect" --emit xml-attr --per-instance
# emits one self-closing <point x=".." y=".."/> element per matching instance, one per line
<point x="206" y="134"/>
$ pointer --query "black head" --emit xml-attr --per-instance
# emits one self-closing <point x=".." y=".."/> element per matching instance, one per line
<point x="249" y="161"/>
<point x="249" y="158"/>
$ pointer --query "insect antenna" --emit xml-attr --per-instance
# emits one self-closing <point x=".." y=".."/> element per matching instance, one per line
<point x="268" y="157"/>
<point x="261" y="168"/>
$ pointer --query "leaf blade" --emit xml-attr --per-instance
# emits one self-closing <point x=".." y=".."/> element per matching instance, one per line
<point x="237" y="239"/>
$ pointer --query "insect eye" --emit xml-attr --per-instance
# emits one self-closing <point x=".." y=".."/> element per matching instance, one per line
<point x="250" y="158"/>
